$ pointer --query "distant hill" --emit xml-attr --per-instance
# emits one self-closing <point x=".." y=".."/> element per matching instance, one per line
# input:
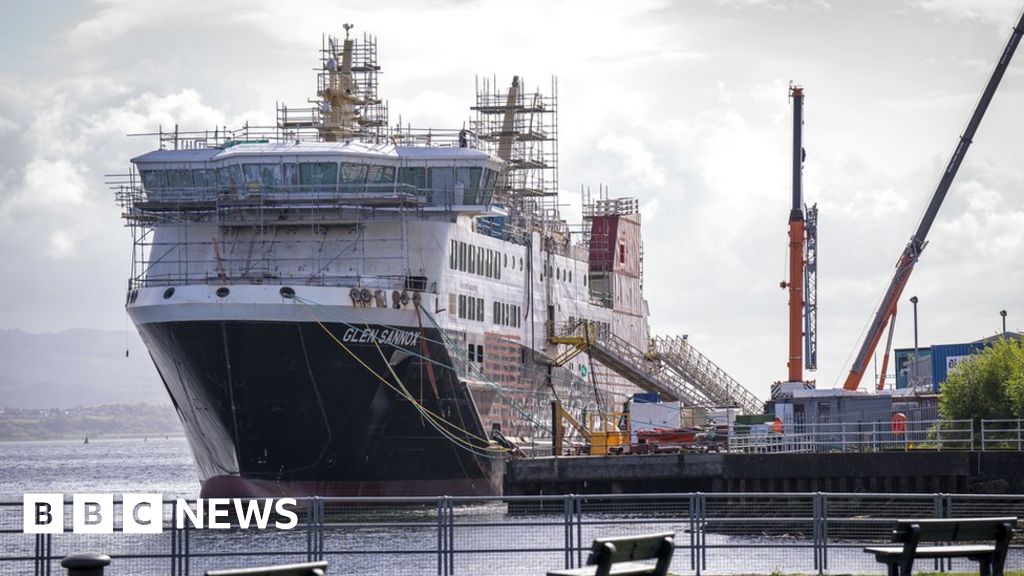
<point x="79" y="367"/>
<point x="109" y="420"/>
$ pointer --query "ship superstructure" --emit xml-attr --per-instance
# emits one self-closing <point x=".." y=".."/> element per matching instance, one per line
<point x="339" y="306"/>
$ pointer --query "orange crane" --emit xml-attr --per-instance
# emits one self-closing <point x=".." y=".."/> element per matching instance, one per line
<point x="802" y="283"/>
<point x="886" y="313"/>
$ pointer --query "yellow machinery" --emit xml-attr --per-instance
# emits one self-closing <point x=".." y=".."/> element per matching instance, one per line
<point x="605" y="433"/>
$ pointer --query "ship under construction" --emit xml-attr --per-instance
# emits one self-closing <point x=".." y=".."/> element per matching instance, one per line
<point x="338" y="305"/>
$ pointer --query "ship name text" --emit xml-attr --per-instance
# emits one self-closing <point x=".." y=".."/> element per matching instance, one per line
<point x="380" y="336"/>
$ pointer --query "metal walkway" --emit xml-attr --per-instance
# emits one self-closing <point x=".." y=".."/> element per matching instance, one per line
<point x="672" y="368"/>
<point x="695" y="367"/>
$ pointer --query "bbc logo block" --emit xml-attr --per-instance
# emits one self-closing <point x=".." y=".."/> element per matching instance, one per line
<point x="43" y="513"/>
<point x="92" y="513"/>
<point x="144" y="513"/>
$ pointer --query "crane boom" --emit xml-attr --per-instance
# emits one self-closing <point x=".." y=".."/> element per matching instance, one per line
<point x="796" y="243"/>
<point x="917" y="243"/>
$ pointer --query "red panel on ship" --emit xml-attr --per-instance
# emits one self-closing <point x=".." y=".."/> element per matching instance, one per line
<point x="604" y="232"/>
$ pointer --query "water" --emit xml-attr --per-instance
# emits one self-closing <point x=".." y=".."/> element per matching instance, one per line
<point x="383" y="538"/>
<point x="117" y="465"/>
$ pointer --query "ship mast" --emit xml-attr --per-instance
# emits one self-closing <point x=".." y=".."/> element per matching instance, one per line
<point x="347" y="106"/>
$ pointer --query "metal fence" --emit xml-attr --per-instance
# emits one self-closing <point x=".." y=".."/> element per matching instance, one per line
<point x="748" y="533"/>
<point x="859" y="437"/>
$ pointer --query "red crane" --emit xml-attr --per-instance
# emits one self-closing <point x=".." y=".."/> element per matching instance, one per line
<point x="886" y="313"/>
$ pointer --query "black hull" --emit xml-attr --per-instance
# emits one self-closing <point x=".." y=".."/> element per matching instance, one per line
<point x="284" y="409"/>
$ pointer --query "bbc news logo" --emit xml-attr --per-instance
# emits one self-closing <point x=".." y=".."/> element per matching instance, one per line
<point x="143" y="513"/>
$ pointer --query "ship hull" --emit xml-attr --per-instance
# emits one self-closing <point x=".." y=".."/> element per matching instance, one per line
<point x="275" y="408"/>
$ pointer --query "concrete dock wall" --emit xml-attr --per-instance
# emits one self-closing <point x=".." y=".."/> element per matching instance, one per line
<point x="953" y="472"/>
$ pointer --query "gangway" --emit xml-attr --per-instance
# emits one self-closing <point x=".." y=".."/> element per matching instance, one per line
<point x="695" y="367"/>
<point x="688" y="377"/>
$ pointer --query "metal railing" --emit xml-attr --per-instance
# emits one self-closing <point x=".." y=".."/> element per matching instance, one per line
<point x="855" y="437"/>
<point x="747" y="533"/>
<point x="882" y="435"/>
<point x="1002" y="434"/>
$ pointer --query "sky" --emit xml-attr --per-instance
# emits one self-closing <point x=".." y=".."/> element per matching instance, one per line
<point x="683" y="105"/>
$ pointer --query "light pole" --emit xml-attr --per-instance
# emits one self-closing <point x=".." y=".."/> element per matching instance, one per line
<point x="1003" y="314"/>
<point x="913" y="367"/>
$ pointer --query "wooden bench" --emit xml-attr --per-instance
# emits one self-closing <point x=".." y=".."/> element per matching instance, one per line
<point x="623" y="556"/>
<point x="304" y="569"/>
<point x="990" y="557"/>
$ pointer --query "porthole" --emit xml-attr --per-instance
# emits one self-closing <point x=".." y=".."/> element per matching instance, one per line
<point x="287" y="292"/>
<point x="168" y="293"/>
<point x="223" y="291"/>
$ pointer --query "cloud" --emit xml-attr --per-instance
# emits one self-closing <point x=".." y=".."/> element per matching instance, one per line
<point x="56" y="191"/>
<point x="61" y="244"/>
<point x="989" y="11"/>
<point x="117" y="18"/>
<point x="634" y="159"/>
<point x="52" y="182"/>
<point x="7" y="125"/>
<point x="778" y="4"/>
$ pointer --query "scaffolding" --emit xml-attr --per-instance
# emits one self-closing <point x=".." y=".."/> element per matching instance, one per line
<point x="521" y="128"/>
<point x="347" y="106"/>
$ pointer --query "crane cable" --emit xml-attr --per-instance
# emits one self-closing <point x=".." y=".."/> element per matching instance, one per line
<point x="450" y="346"/>
<point x="433" y="418"/>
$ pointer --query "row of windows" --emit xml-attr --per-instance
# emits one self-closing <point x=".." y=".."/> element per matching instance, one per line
<point x="560" y="274"/>
<point x="507" y="314"/>
<point x="270" y="175"/>
<point x="471" y="185"/>
<point x="466" y="257"/>
<point x="471" y="308"/>
<point x="476" y="352"/>
<point x="475" y="260"/>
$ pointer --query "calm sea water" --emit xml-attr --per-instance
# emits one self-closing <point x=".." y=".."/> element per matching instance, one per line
<point x="362" y="541"/>
<point x="152" y="465"/>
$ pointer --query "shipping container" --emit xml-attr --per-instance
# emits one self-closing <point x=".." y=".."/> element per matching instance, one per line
<point x="909" y="373"/>
<point x="646" y="397"/>
<point x="945" y="357"/>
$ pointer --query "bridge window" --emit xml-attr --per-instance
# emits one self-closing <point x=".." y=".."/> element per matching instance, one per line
<point x="154" y="179"/>
<point x="352" y="176"/>
<point x="380" y="175"/>
<point x="468" y="179"/>
<point x="179" y="178"/>
<point x="230" y="176"/>
<point x="441" y="179"/>
<point x="204" y="178"/>
<point x="291" y="174"/>
<point x="318" y="174"/>
<point x="415" y="177"/>
<point x="487" y="183"/>
<point x="268" y="175"/>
